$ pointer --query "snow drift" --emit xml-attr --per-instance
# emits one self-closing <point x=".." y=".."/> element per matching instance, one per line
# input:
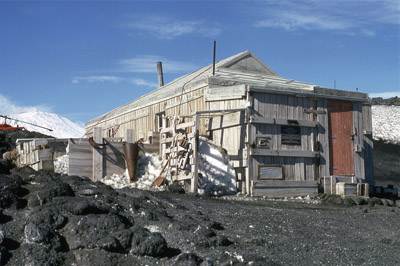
<point x="216" y="175"/>
<point x="386" y="123"/>
<point x="62" y="127"/>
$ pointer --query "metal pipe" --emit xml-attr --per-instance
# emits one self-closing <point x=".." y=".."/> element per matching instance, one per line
<point x="215" y="47"/>
<point x="160" y="74"/>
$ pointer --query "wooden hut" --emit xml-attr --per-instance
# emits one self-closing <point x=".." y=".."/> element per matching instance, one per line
<point x="283" y="137"/>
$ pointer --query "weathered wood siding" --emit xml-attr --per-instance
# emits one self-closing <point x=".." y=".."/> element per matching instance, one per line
<point x="368" y="143"/>
<point x="299" y="161"/>
<point x="230" y="138"/>
<point x="358" y="148"/>
<point x="144" y="119"/>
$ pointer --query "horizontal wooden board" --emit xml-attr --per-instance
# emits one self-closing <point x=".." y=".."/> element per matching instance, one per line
<point x="225" y="121"/>
<point x="284" y="192"/>
<point x="283" y="183"/>
<point x="221" y="93"/>
<point x="284" y="153"/>
<point x="180" y="126"/>
<point x="282" y="188"/>
<point x="285" y="122"/>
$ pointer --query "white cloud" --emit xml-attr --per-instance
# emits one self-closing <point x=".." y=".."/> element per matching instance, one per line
<point x="101" y="79"/>
<point x="115" y="80"/>
<point x="345" y="17"/>
<point x="141" y="82"/>
<point x="385" y="95"/>
<point x="167" y="28"/>
<point x="148" y="64"/>
<point x="292" y="21"/>
<point x="8" y="107"/>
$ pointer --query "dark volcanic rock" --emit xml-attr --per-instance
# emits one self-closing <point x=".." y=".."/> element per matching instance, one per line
<point x="82" y="206"/>
<point x="3" y="255"/>
<point x="147" y="243"/>
<point x="92" y="231"/>
<point x="5" y="166"/>
<point x="26" y="173"/>
<point x="188" y="259"/>
<point x="390" y="101"/>
<point x="101" y="257"/>
<point x="175" y="188"/>
<point x="124" y="238"/>
<point x="49" y="191"/>
<point x="333" y="199"/>
<point x="48" y="214"/>
<point x="42" y="234"/>
<point x="2" y="237"/>
<point x="10" y="191"/>
<point x="38" y="255"/>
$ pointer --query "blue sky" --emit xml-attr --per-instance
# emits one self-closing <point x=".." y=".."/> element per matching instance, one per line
<point x="81" y="59"/>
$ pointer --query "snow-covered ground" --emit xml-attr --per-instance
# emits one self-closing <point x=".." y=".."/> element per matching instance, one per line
<point x="216" y="175"/>
<point x="149" y="168"/>
<point x="386" y="123"/>
<point x="62" y="127"/>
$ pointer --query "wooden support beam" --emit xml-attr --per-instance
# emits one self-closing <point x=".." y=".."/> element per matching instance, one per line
<point x="179" y="126"/>
<point x="282" y="122"/>
<point x="98" y="163"/>
<point x="283" y="188"/>
<point x="283" y="153"/>
<point x="130" y="136"/>
<point x="194" y="182"/>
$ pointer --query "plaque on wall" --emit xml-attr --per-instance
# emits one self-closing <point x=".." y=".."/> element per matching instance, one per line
<point x="290" y="135"/>
<point x="270" y="172"/>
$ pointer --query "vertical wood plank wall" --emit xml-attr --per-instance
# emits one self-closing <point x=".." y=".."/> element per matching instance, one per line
<point x="359" y="169"/>
<point x="143" y="119"/>
<point x="292" y="108"/>
<point x="368" y="143"/>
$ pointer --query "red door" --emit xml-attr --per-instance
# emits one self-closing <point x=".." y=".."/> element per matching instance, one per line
<point x="340" y="122"/>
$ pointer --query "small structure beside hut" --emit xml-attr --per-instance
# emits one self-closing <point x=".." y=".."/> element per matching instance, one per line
<point x="283" y="137"/>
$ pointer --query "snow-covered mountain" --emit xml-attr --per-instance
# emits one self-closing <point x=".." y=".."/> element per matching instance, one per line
<point x="62" y="127"/>
<point x="386" y="123"/>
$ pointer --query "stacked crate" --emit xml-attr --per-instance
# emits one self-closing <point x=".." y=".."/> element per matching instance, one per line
<point x="40" y="153"/>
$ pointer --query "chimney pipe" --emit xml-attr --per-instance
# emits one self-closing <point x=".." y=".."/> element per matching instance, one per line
<point x="215" y="48"/>
<point x="160" y="74"/>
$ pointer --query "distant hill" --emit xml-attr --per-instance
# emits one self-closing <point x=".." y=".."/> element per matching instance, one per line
<point x="62" y="127"/>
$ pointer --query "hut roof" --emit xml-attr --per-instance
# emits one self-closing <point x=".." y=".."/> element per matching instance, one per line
<point x="242" y="68"/>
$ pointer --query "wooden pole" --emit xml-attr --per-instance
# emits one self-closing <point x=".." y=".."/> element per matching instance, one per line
<point x="130" y="136"/>
<point x="194" y="183"/>
<point x="98" y="163"/>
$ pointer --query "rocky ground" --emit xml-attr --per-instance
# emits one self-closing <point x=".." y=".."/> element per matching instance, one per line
<point x="50" y="219"/>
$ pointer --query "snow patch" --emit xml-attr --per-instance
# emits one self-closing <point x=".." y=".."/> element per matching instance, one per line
<point x="216" y="175"/>
<point x="149" y="168"/>
<point x="386" y="123"/>
<point x="61" y="165"/>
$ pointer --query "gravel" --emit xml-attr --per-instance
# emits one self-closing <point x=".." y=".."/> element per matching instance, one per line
<point x="69" y="226"/>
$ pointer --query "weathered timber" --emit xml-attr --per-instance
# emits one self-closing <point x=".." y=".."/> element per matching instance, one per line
<point x="277" y="188"/>
<point x="283" y="153"/>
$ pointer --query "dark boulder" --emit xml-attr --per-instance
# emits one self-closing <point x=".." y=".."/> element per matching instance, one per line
<point x="48" y="191"/>
<point x="92" y="231"/>
<point x="146" y="243"/>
